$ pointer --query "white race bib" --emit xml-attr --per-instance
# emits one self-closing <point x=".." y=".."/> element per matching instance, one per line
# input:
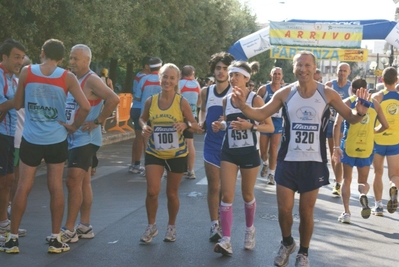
<point x="165" y="138"/>
<point x="240" y="138"/>
<point x="70" y="111"/>
<point x="304" y="140"/>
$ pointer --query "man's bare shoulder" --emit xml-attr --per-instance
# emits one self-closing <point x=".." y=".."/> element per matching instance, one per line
<point x="329" y="83"/>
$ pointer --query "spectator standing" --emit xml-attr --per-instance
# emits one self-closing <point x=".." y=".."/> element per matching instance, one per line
<point x="45" y="86"/>
<point x="84" y="143"/>
<point x="135" y="111"/>
<point x="12" y="56"/>
<point x="190" y="90"/>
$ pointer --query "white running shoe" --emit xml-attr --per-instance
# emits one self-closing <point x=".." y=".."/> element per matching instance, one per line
<point x="344" y="217"/>
<point x="223" y="247"/>
<point x="283" y="254"/>
<point x="149" y="233"/>
<point x="249" y="242"/>
<point x="170" y="234"/>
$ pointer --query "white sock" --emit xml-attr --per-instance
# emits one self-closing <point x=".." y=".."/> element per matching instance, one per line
<point x="272" y="171"/>
<point x="4" y="223"/>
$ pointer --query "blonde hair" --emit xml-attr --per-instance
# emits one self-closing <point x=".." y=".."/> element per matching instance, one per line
<point x="170" y="66"/>
<point x="104" y="72"/>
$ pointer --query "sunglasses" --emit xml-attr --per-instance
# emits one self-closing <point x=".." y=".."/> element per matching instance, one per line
<point x="251" y="85"/>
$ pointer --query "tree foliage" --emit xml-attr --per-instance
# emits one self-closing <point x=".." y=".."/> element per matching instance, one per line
<point x="123" y="31"/>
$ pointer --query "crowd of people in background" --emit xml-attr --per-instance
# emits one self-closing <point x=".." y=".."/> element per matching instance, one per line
<point x="273" y="130"/>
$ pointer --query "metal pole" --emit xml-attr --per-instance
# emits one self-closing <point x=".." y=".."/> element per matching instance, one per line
<point x="391" y="56"/>
<point x="375" y="73"/>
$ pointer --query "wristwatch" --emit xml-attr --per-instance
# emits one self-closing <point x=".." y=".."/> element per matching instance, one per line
<point x="96" y="122"/>
<point x="254" y="128"/>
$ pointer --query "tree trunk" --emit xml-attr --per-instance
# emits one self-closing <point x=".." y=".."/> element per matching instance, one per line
<point x="128" y="86"/>
<point x="112" y="71"/>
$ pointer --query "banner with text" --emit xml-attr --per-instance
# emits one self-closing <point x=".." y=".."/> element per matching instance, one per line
<point x="348" y="55"/>
<point x="316" y="34"/>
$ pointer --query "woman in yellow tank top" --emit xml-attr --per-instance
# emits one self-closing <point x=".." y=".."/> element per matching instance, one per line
<point x="165" y="117"/>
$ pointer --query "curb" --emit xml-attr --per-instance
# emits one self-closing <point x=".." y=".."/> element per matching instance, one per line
<point x="115" y="137"/>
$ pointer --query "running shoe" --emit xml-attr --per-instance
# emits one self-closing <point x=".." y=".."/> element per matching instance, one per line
<point x="170" y="234"/>
<point x="149" y="233"/>
<point x="191" y="175"/>
<point x="6" y="229"/>
<point x="392" y="204"/>
<point x="366" y="211"/>
<point x="344" y="218"/>
<point x="83" y="231"/>
<point x="11" y="246"/>
<point x="336" y="190"/>
<point x="249" y="242"/>
<point x="69" y="236"/>
<point x="302" y="260"/>
<point x="136" y="169"/>
<point x="270" y="179"/>
<point x="263" y="172"/>
<point x="215" y="233"/>
<point x="377" y="211"/>
<point x="223" y="247"/>
<point x="55" y="246"/>
<point x="283" y="254"/>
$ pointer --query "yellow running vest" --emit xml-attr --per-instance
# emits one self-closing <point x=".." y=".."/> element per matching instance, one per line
<point x="390" y="107"/>
<point x="359" y="137"/>
<point x="165" y="142"/>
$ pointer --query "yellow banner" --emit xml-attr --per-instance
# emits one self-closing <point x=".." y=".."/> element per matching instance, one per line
<point x="316" y="34"/>
<point x="348" y="55"/>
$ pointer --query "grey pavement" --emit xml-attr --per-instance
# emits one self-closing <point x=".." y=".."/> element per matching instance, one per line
<point x="119" y="219"/>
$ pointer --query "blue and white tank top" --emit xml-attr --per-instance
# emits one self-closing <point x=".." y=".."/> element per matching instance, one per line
<point x="137" y="90"/>
<point x="344" y="92"/>
<point x="213" y="111"/>
<point x="306" y="119"/>
<point x="8" y="87"/>
<point x="81" y="138"/>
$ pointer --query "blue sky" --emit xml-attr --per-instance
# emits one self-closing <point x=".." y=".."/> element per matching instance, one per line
<point x="277" y="10"/>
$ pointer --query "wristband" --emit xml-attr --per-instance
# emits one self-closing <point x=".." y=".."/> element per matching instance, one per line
<point x="361" y="115"/>
<point x="188" y="125"/>
<point x="336" y="147"/>
<point x="364" y="102"/>
<point x="224" y="125"/>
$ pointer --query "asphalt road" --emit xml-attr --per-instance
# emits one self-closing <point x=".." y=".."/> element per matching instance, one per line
<point x="119" y="219"/>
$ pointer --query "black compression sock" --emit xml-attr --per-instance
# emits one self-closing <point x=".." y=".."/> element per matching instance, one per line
<point x="287" y="241"/>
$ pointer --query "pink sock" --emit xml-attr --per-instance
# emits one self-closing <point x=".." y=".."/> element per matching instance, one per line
<point x="226" y="218"/>
<point x="250" y="209"/>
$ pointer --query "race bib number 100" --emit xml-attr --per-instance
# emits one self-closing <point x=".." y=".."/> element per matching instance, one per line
<point x="165" y="138"/>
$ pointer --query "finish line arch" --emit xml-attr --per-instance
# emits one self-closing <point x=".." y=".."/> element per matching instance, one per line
<point x="258" y="42"/>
